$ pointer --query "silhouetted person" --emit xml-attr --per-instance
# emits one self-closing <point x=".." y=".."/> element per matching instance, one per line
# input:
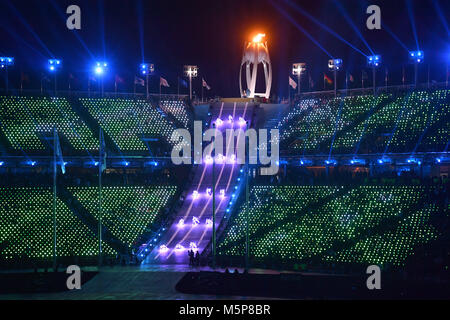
<point x="191" y="257"/>
<point x="197" y="259"/>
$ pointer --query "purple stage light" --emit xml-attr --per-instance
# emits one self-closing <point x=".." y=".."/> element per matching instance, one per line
<point x="163" y="249"/>
<point x="230" y="119"/>
<point x="193" y="246"/>
<point x="179" y="247"/>
<point x="242" y="121"/>
<point x="222" y="193"/>
<point x="232" y="159"/>
<point x="208" y="160"/>
<point x="195" y="195"/>
<point x="208" y="223"/>
<point x="220" y="158"/>
<point x="180" y="223"/>
<point x="208" y="192"/>
<point x="219" y="122"/>
<point x="195" y="221"/>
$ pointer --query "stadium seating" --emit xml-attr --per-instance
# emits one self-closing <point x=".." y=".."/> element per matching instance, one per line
<point x="26" y="228"/>
<point x="26" y="121"/>
<point x="127" y="122"/>
<point x="289" y="223"/>
<point x="177" y="108"/>
<point x="406" y="122"/>
<point x="127" y="211"/>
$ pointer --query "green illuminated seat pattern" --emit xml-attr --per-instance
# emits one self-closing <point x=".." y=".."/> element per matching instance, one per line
<point x="127" y="211"/>
<point x="27" y="121"/>
<point x="177" y="108"/>
<point x="298" y="223"/>
<point x="128" y="122"/>
<point x="26" y="226"/>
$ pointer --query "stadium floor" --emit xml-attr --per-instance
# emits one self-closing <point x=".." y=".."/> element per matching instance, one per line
<point x="152" y="282"/>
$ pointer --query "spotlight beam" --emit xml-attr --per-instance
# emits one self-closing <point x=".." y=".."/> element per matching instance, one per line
<point x="394" y="36"/>
<point x="29" y="28"/>
<point x="412" y="21"/>
<point x="352" y="25"/>
<point x="74" y="32"/>
<point x="300" y="28"/>
<point x="441" y="16"/>
<point x="321" y="25"/>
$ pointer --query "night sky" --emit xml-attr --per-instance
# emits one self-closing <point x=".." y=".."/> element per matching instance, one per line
<point x="211" y="34"/>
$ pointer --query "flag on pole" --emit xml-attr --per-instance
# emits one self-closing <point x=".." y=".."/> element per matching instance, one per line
<point x="292" y="83"/>
<point x="119" y="79"/>
<point x="59" y="153"/>
<point x="311" y="82"/>
<point x="102" y="152"/>
<point x="163" y="82"/>
<point x="350" y="77"/>
<point x="327" y="79"/>
<point x="364" y="75"/>
<point x="204" y="84"/>
<point x="139" y="81"/>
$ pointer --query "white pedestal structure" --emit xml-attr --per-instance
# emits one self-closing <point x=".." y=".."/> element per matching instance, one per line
<point x="255" y="52"/>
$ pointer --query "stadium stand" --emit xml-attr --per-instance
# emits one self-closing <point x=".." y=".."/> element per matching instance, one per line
<point x="404" y="122"/>
<point x="27" y="121"/>
<point x="26" y="228"/>
<point x="177" y="108"/>
<point x="127" y="122"/>
<point x="365" y="224"/>
<point x="127" y="211"/>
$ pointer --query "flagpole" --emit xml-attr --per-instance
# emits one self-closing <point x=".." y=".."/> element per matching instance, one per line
<point x="54" y="199"/>
<point x="100" y="213"/>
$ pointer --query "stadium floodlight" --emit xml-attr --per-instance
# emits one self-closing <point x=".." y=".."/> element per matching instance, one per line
<point x="297" y="70"/>
<point x="374" y="62"/>
<point x="54" y="65"/>
<point x="335" y="65"/>
<point x="416" y="58"/>
<point x="100" y="69"/>
<point x="147" y="69"/>
<point x="6" y="62"/>
<point x="190" y="72"/>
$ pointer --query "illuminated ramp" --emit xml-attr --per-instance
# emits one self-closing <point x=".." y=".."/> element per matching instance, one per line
<point x="192" y="227"/>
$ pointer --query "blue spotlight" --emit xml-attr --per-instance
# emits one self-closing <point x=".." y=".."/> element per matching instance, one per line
<point x="147" y="68"/>
<point x="416" y="56"/>
<point x="31" y="163"/>
<point x="334" y="64"/>
<point x="1" y="163"/>
<point x="100" y="68"/>
<point x="6" y="62"/>
<point x="374" y="61"/>
<point x="54" y="65"/>
<point x="330" y="162"/>
<point x="126" y="163"/>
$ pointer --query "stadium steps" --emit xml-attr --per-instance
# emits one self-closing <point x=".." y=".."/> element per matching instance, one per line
<point x="89" y="120"/>
<point x="80" y="211"/>
<point x="311" y="207"/>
